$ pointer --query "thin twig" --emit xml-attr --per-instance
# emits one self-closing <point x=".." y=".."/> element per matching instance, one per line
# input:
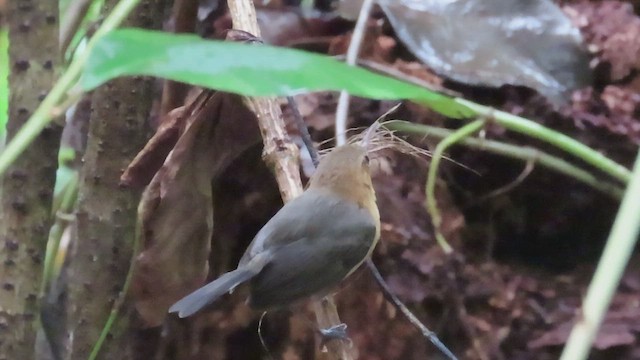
<point x="528" y="168"/>
<point x="393" y="299"/>
<point x="304" y="131"/>
<point x="622" y="240"/>
<point x="352" y="56"/>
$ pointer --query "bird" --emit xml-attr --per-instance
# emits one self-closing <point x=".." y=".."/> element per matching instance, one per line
<point x="311" y="244"/>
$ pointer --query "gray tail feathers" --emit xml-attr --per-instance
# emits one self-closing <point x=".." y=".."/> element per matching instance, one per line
<point x="209" y="293"/>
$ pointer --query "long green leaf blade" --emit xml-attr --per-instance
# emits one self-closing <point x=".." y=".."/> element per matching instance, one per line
<point x="252" y="70"/>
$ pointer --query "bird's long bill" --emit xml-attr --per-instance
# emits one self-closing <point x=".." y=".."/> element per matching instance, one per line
<point x="369" y="134"/>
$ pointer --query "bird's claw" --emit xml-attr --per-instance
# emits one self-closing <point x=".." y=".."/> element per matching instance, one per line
<point x="335" y="332"/>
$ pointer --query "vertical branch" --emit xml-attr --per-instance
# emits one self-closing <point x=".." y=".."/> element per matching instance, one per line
<point x="27" y="186"/>
<point x="106" y="215"/>
<point x="281" y="156"/>
<point x="342" y="111"/>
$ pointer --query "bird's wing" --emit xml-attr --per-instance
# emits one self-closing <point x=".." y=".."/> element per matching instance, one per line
<point x="309" y="266"/>
<point x="314" y="214"/>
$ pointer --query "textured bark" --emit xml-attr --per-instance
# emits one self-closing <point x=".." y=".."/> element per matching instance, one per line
<point x="27" y="186"/>
<point x="106" y="214"/>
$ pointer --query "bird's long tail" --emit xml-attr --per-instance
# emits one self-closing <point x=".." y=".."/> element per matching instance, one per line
<point x="209" y="293"/>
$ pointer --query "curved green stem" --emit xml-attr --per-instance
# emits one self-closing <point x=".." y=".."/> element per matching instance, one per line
<point x="431" y="202"/>
<point x="564" y="142"/>
<point x="516" y="152"/>
<point x="43" y="114"/>
<point x="622" y="240"/>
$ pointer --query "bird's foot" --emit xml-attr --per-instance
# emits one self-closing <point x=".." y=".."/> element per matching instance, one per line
<point x="336" y="332"/>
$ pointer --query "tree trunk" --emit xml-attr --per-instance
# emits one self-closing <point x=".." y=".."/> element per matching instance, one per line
<point x="106" y="215"/>
<point x="27" y="186"/>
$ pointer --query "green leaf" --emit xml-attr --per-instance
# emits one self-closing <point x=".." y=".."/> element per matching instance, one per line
<point x="252" y="70"/>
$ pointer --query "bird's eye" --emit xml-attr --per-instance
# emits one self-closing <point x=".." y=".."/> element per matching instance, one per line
<point x="365" y="161"/>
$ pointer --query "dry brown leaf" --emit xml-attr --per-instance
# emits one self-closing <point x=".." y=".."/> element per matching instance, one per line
<point x="146" y="164"/>
<point x="176" y="211"/>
